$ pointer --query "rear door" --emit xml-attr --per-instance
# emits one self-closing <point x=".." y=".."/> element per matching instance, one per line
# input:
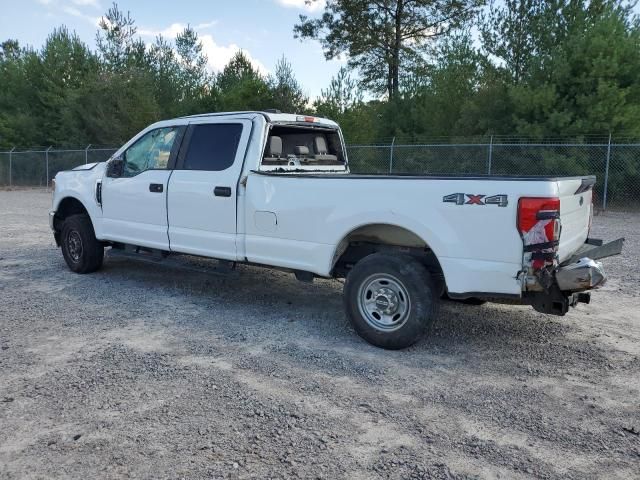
<point x="202" y="205"/>
<point x="575" y="213"/>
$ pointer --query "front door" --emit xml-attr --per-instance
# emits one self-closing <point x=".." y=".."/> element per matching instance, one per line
<point x="203" y="188"/>
<point x="134" y="205"/>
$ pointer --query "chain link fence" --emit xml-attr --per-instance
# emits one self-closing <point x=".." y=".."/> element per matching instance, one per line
<point x="36" y="166"/>
<point x="616" y="163"/>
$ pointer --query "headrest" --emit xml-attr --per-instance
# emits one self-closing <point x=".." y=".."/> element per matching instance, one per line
<point x="301" y="150"/>
<point x="274" y="147"/>
<point x="320" y="145"/>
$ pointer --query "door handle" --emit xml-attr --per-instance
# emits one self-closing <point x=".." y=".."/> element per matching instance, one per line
<point x="222" y="191"/>
<point x="156" y="187"/>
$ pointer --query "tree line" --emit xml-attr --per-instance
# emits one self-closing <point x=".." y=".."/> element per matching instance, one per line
<point x="414" y="68"/>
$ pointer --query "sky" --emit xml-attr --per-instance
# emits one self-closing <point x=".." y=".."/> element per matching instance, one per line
<point x="263" y="29"/>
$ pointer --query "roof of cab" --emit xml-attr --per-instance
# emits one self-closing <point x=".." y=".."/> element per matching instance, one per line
<point x="271" y="117"/>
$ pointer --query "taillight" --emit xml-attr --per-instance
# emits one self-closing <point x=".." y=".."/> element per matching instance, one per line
<point x="541" y="214"/>
<point x="539" y="225"/>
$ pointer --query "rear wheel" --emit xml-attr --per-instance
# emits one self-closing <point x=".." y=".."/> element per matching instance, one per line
<point x="80" y="248"/>
<point x="390" y="300"/>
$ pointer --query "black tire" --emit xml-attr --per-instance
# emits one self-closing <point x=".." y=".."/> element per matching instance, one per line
<point x="366" y="294"/>
<point x="80" y="248"/>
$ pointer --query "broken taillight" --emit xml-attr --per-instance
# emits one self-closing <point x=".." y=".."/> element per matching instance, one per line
<point x="539" y="226"/>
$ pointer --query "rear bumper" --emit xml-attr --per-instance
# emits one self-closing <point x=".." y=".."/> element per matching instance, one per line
<point x="581" y="272"/>
<point x="570" y="281"/>
<point x="583" y="275"/>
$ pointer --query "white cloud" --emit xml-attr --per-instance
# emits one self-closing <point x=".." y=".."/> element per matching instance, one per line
<point x="77" y="13"/>
<point x="174" y="29"/>
<point x="84" y="3"/>
<point x="55" y="7"/>
<point x="171" y="31"/>
<point x="219" y="55"/>
<point x="302" y="4"/>
<point x="205" y="25"/>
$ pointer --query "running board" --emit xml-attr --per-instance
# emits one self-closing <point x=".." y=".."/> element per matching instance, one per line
<point x="172" y="260"/>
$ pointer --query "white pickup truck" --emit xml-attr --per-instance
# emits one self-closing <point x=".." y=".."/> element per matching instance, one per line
<point x="275" y="189"/>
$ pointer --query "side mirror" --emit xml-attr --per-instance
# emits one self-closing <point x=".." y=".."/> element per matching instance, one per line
<point x="115" y="167"/>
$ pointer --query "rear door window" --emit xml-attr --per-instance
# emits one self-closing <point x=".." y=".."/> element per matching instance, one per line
<point x="212" y="146"/>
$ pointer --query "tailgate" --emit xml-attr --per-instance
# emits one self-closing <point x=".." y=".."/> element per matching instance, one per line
<point x="575" y="213"/>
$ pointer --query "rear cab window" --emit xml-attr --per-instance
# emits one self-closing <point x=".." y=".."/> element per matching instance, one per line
<point x="293" y="147"/>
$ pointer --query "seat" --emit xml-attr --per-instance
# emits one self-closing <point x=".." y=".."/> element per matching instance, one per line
<point x="273" y="152"/>
<point x="301" y="151"/>
<point x="322" y="152"/>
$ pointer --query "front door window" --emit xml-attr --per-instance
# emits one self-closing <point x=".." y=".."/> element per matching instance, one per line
<point x="151" y="151"/>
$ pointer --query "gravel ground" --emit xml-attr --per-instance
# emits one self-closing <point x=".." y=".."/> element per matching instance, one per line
<point x="143" y="371"/>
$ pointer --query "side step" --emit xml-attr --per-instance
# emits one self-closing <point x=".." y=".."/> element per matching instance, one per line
<point x="192" y="263"/>
<point x="172" y="260"/>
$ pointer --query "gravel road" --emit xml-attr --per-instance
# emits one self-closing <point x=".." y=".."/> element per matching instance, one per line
<point x="142" y="371"/>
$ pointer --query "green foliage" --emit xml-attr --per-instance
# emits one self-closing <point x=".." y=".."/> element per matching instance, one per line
<point x="531" y="67"/>
<point x="118" y="46"/>
<point x="342" y="95"/>
<point x="589" y="81"/>
<point x="286" y="92"/>
<point x="241" y="86"/>
<point x="384" y="40"/>
<point x="511" y="31"/>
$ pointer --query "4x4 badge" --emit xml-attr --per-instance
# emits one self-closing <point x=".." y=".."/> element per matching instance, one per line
<point x="472" y="199"/>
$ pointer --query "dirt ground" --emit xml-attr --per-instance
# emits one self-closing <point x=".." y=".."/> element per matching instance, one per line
<point x="147" y="372"/>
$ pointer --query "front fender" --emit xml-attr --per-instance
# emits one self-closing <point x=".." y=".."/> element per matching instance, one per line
<point x="81" y="186"/>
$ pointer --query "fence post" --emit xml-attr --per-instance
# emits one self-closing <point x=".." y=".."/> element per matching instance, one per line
<point x="490" y="155"/>
<point x="606" y="175"/>
<point x="46" y="157"/>
<point x="86" y="154"/>
<point x="10" y="165"/>
<point x="393" y="141"/>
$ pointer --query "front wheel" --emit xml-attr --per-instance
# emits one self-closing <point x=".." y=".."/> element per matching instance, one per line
<point x="390" y="300"/>
<point x="80" y="248"/>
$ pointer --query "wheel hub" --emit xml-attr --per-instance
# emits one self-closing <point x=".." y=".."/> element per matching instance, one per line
<point x="384" y="302"/>
<point x="74" y="245"/>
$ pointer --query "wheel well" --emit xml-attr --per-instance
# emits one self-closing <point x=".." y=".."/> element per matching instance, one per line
<point x="374" y="238"/>
<point x="67" y="207"/>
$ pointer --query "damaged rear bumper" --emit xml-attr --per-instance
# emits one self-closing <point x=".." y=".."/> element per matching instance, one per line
<point x="568" y="283"/>
<point x="585" y="274"/>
